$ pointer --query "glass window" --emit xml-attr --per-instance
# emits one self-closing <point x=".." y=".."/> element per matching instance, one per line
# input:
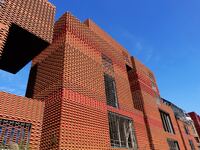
<point x="12" y="134"/>
<point x="1" y="130"/>
<point x="18" y="136"/>
<point x="5" y="137"/>
<point x="186" y="129"/>
<point x="110" y="89"/>
<point x="167" y="124"/>
<point x="121" y="131"/>
<point x="23" y="134"/>
<point x="192" y="145"/>
<point x="173" y="145"/>
<point x="197" y="139"/>
<point x="29" y="135"/>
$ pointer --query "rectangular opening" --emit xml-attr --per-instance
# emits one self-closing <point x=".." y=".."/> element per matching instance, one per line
<point x="166" y="121"/>
<point x="192" y="145"/>
<point x="186" y="129"/>
<point x="110" y="89"/>
<point x="14" y="131"/>
<point x="173" y="145"/>
<point x="197" y="139"/>
<point x="107" y="64"/>
<point x="121" y="131"/>
<point x="128" y="68"/>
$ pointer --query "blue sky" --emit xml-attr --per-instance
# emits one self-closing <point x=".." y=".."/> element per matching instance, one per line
<point x="163" y="34"/>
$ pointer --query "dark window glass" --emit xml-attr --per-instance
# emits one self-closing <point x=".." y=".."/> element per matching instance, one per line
<point x="121" y="131"/>
<point x="29" y="135"/>
<point x="18" y="136"/>
<point x="167" y="124"/>
<point x="173" y="145"/>
<point x="23" y="134"/>
<point x="1" y="130"/>
<point x="197" y="139"/>
<point x="107" y="65"/>
<point x="186" y="129"/>
<point x="192" y="145"/>
<point x="5" y="137"/>
<point x="14" y="131"/>
<point x="12" y="134"/>
<point x="110" y="88"/>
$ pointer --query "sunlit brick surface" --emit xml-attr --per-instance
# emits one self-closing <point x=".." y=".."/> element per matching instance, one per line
<point x="69" y="78"/>
<point x="36" y="16"/>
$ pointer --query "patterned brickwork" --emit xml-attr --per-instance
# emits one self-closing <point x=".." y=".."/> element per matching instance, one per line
<point x="83" y="54"/>
<point x="109" y="40"/>
<point x="51" y="122"/>
<point x="78" y="133"/>
<point x="69" y="77"/>
<point x="35" y="16"/>
<point x="3" y="32"/>
<point x="26" y="110"/>
<point x="26" y="28"/>
<point x="145" y="93"/>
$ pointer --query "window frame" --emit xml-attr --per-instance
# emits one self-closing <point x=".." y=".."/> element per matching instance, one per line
<point x="192" y="145"/>
<point x="186" y="129"/>
<point x="123" y="135"/>
<point x="173" y="144"/>
<point x="110" y="92"/>
<point x="166" y="121"/>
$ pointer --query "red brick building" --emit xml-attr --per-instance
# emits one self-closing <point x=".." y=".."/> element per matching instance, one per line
<point x="87" y="93"/>
<point x="196" y="118"/>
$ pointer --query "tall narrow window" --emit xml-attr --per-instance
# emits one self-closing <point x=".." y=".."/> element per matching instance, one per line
<point x="110" y="88"/>
<point x="29" y="135"/>
<point x="167" y="124"/>
<point x="121" y="131"/>
<point x="197" y="139"/>
<point x="18" y="136"/>
<point x="173" y="145"/>
<point x="186" y="129"/>
<point x="5" y="137"/>
<point x="107" y="65"/>
<point x="1" y="130"/>
<point x="12" y="134"/>
<point x="23" y="134"/>
<point x="192" y="145"/>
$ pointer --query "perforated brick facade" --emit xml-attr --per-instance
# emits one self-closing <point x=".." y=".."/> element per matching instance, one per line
<point x="81" y="78"/>
<point x="26" y="28"/>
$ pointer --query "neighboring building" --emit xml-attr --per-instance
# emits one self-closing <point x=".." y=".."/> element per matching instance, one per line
<point x="26" y="28"/>
<point x="196" y="119"/>
<point x="88" y="93"/>
<point x="186" y="126"/>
